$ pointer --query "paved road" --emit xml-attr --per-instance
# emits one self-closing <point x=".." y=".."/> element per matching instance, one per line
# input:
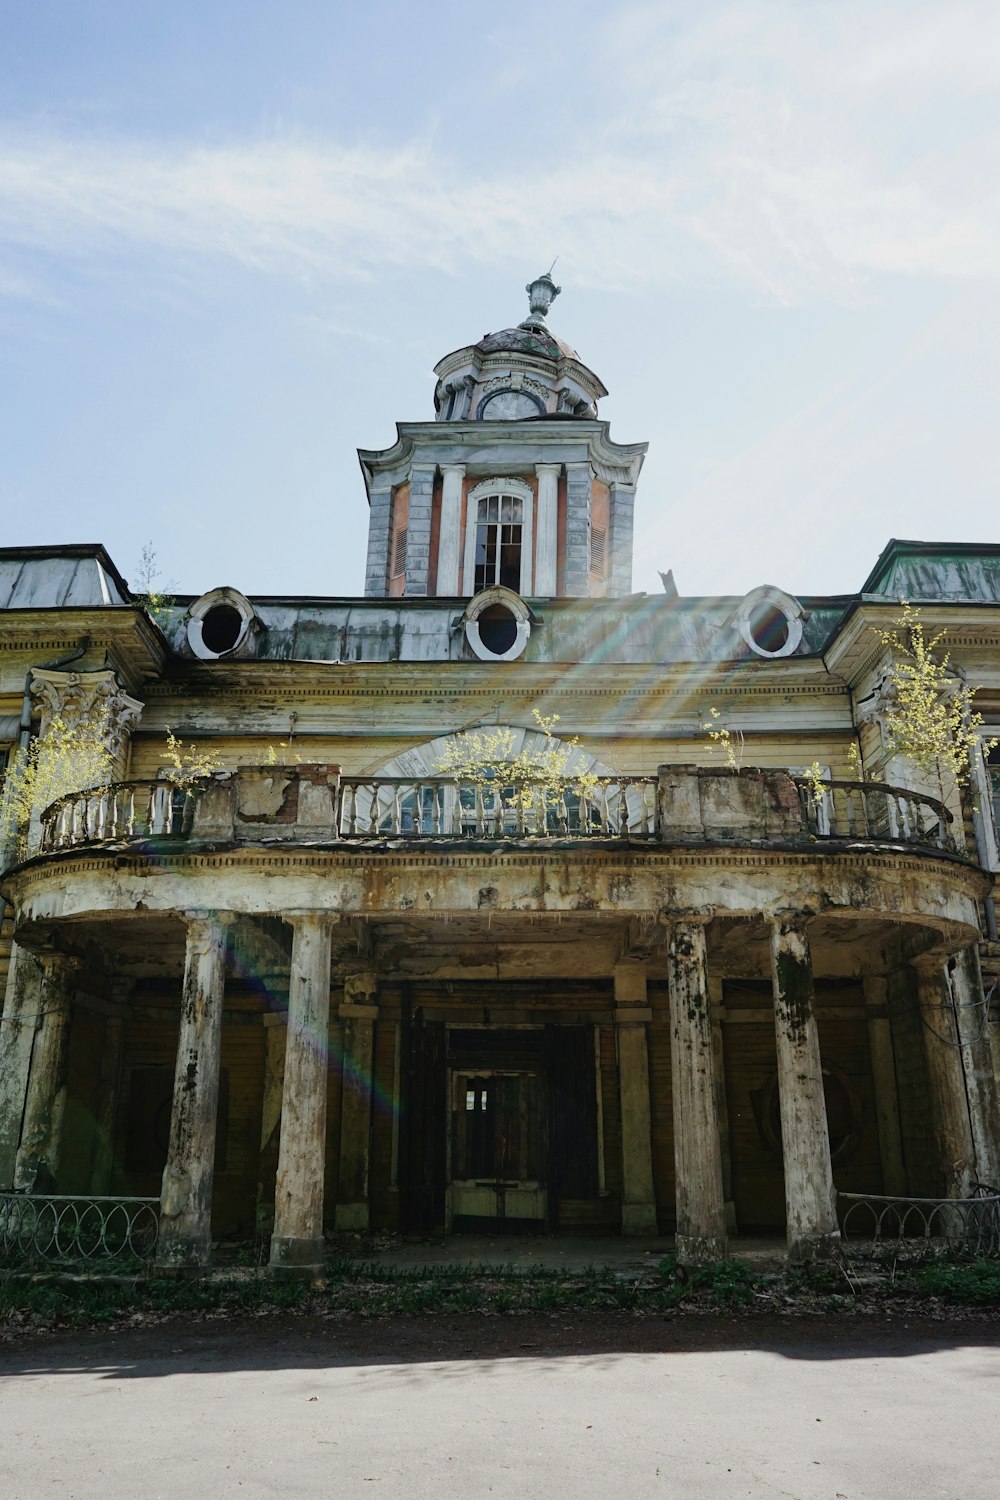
<point x="527" y="1406"/>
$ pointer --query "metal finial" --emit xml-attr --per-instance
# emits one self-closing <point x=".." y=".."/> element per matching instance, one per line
<point x="542" y="292"/>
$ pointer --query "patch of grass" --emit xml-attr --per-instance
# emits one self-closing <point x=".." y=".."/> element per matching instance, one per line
<point x="975" y="1283"/>
<point x="729" y="1283"/>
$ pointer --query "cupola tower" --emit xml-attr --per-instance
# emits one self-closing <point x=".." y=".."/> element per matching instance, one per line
<point x="516" y="484"/>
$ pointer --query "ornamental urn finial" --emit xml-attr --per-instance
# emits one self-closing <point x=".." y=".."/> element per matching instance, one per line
<point x="542" y="292"/>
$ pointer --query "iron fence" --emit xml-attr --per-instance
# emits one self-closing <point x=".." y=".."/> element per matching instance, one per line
<point x="51" y="1229"/>
<point x="917" y="1227"/>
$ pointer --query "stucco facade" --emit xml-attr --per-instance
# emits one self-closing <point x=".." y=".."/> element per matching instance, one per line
<point x="332" y="987"/>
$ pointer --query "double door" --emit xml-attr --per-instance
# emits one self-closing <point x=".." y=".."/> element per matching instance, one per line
<point x="498" y="1148"/>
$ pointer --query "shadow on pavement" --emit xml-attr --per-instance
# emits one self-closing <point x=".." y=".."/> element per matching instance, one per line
<point x="187" y="1346"/>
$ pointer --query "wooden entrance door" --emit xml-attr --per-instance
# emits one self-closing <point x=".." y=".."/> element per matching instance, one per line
<point x="498" y="1149"/>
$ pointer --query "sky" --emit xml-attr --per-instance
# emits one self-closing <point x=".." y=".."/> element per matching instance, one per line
<point x="236" y="235"/>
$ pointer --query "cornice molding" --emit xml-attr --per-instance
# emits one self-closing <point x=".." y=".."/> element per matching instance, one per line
<point x="127" y="860"/>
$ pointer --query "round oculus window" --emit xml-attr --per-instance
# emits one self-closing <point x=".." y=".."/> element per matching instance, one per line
<point x="497" y="624"/>
<point x="770" y="622"/>
<point x="218" y="623"/>
<point x="221" y="628"/>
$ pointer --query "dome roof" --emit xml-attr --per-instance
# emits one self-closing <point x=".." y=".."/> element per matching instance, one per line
<point x="535" y="340"/>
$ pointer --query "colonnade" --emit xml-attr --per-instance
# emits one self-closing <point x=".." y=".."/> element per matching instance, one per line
<point x="964" y="1092"/>
<point x="810" y="1202"/>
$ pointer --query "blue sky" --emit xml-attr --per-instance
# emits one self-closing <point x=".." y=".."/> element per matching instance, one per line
<point x="235" y="238"/>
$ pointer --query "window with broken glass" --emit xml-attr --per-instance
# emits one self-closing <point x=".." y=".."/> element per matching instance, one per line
<point x="993" y="777"/>
<point x="499" y="523"/>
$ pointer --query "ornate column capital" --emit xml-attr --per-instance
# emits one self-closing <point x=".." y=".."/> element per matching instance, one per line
<point x="96" y="698"/>
<point x="790" y="921"/>
<point x="695" y="916"/>
<point x="311" y="917"/>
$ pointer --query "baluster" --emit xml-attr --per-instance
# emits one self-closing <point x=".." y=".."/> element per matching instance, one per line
<point x="480" y="826"/>
<point x="626" y="823"/>
<point x="905" y="823"/>
<point x="563" y="814"/>
<point x="605" y="810"/>
<point x="396" y="816"/>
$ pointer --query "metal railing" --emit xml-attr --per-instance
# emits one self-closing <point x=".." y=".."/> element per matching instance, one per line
<point x="874" y="810"/>
<point x="902" y="1227"/>
<point x="70" y="1230"/>
<point x="124" y="810"/>
<point x="443" y="807"/>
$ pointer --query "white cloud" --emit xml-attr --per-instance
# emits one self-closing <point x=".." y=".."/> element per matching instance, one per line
<point x="800" y="149"/>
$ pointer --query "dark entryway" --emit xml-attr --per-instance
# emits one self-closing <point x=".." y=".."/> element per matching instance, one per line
<point x="498" y="1125"/>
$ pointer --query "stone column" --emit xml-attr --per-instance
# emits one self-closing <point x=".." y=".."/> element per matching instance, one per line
<point x="622" y="504"/>
<point x="981" y="1087"/>
<point x="890" y="1134"/>
<point x="45" y="1105"/>
<point x="22" y="1005"/>
<point x="547" y="531"/>
<point x="450" y="531"/>
<point x="701" y="1214"/>
<point x="275" y="1031"/>
<point x="631" y="1016"/>
<point x="810" y="1202"/>
<point x="576" y="562"/>
<point x="379" y="540"/>
<point x="185" y="1242"/>
<point x="109" y="1084"/>
<point x="297" y="1244"/>
<point x="949" y="1103"/>
<point x="358" y="1014"/>
<point x="716" y="995"/>
<point x="418" y="529"/>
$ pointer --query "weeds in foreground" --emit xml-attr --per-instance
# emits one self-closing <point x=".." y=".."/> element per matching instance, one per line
<point x="370" y="1289"/>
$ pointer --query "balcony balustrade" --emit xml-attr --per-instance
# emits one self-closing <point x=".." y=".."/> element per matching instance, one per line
<point x="315" y="804"/>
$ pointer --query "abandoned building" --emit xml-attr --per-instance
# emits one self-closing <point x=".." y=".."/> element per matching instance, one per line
<point x="333" y="983"/>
